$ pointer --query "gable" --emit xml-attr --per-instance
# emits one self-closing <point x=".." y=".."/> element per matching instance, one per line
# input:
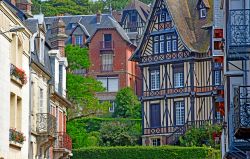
<point x="183" y="20"/>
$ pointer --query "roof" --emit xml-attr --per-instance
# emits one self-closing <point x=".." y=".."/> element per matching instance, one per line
<point x="15" y="10"/>
<point x="142" y="8"/>
<point x="188" y="24"/>
<point x="89" y="24"/>
<point x="33" y="25"/>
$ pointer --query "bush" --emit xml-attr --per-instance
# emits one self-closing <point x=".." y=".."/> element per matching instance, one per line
<point x="203" y="136"/>
<point x="86" y="131"/>
<point x="136" y="152"/>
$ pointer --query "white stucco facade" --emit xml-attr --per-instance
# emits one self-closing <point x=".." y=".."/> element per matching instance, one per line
<point x="14" y="95"/>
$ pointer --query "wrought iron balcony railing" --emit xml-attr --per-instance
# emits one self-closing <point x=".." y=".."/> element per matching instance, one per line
<point x="239" y="28"/>
<point x="46" y="124"/>
<point x="63" y="140"/>
<point x="107" y="45"/>
<point x="242" y="112"/>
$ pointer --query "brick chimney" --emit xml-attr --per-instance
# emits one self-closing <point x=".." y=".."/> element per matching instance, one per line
<point x="24" y="6"/>
<point x="98" y="17"/>
<point x="58" y="36"/>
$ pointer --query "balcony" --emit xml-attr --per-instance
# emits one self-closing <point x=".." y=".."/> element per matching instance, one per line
<point x="242" y="112"/>
<point x="46" y="124"/>
<point x="17" y="75"/>
<point x="63" y="141"/>
<point x="239" y="33"/>
<point x="107" y="45"/>
<point x="107" y="68"/>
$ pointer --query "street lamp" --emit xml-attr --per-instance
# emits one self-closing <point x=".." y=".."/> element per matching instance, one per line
<point x="16" y="28"/>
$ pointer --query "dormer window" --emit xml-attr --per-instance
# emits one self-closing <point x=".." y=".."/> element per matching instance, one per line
<point x="203" y="12"/>
<point x="164" y="16"/>
<point x="203" y="6"/>
<point x="72" y="25"/>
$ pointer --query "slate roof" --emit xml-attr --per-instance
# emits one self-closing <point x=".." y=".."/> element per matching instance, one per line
<point x="142" y="8"/>
<point x="32" y="24"/>
<point x="89" y="24"/>
<point x="188" y="25"/>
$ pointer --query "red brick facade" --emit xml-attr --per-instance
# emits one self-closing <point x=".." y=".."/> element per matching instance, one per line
<point x="122" y="67"/>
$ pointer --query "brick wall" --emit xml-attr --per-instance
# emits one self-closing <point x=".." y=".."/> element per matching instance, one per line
<point x="122" y="50"/>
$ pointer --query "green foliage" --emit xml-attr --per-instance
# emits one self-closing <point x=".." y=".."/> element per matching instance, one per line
<point x="78" y="57"/>
<point x="135" y="152"/>
<point x="81" y="90"/>
<point x="78" y="7"/>
<point x="86" y="131"/>
<point x="201" y="136"/>
<point x="116" y="133"/>
<point x="127" y="104"/>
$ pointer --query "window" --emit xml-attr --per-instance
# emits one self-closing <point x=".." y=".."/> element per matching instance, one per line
<point x="171" y="43"/>
<point x="174" y="45"/>
<point x="156" y="44"/>
<point x="155" y="79"/>
<point x="179" y="113"/>
<point x="160" y="46"/>
<point x="107" y="38"/>
<point x="156" y="142"/>
<point x="163" y="17"/>
<point x="217" y="77"/>
<point x="155" y="116"/>
<point x="178" y="76"/>
<point x="107" y="62"/>
<point x="15" y="112"/>
<point x="203" y="12"/>
<point x="110" y="83"/>
<point x="73" y="25"/>
<point x="79" y="39"/>
<point x="48" y="26"/>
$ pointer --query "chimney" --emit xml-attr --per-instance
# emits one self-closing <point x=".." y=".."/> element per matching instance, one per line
<point x="58" y="35"/>
<point x="24" y="6"/>
<point x="98" y="17"/>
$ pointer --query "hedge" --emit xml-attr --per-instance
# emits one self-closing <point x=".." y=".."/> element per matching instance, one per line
<point x="146" y="152"/>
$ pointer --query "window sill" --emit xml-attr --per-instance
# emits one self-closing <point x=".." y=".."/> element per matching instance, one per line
<point x="16" y="80"/>
<point x="16" y="144"/>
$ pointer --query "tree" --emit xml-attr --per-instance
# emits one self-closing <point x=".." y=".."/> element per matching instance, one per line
<point x="81" y="90"/>
<point x="116" y="133"/>
<point x="127" y="104"/>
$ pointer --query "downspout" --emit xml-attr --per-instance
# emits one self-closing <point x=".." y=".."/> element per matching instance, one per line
<point x="30" y="99"/>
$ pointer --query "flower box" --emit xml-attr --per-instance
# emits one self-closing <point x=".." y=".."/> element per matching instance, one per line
<point x="18" y="73"/>
<point x="15" y="137"/>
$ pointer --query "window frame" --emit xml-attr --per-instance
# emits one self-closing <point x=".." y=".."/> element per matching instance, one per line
<point x="177" y="69"/>
<point x="106" y="79"/>
<point x="180" y="118"/>
<point x="203" y="12"/>
<point x="156" y="141"/>
<point x="156" y="73"/>
<point x="80" y="40"/>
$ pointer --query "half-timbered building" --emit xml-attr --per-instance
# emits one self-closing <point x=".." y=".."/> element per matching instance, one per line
<point x="181" y="80"/>
<point x="134" y="18"/>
